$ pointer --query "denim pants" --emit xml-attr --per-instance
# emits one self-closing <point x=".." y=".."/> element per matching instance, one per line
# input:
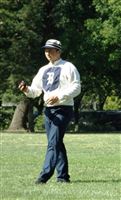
<point x="56" y="121"/>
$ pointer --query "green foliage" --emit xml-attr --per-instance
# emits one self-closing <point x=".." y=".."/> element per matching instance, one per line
<point x="39" y="123"/>
<point x="112" y="103"/>
<point x="104" y="44"/>
<point x="20" y="45"/>
<point x="5" y="117"/>
<point x="90" y="33"/>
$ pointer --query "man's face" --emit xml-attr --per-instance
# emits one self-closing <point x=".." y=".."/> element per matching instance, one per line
<point x="52" y="54"/>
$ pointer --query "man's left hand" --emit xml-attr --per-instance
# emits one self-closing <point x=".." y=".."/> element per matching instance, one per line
<point x="52" y="100"/>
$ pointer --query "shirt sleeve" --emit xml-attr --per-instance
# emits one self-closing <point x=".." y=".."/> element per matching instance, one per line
<point x="35" y="90"/>
<point x="74" y="86"/>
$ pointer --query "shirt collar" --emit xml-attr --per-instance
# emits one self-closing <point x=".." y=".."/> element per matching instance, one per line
<point x="55" y="63"/>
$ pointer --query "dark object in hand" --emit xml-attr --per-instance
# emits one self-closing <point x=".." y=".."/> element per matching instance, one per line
<point x="22" y="86"/>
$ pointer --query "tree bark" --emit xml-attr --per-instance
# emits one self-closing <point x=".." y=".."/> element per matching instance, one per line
<point x="19" y="118"/>
<point x="77" y="105"/>
<point x="23" y="118"/>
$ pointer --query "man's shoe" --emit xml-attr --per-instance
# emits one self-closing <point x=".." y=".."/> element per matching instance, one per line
<point x="63" y="180"/>
<point x="39" y="181"/>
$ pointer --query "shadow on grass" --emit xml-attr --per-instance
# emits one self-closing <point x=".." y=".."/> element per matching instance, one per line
<point x="97" y="181"/>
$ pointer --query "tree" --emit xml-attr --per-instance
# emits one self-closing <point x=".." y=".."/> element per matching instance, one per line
<point x="24" y="117"/>
<point x="19" y="120"/>
<point x="104" y="34"/>
<point x="20" y="45"/>
<point x="26" y="25"/>
<point x="90" y="34"/>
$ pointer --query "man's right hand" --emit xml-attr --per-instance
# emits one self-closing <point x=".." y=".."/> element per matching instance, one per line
<point x="23" y="87"/>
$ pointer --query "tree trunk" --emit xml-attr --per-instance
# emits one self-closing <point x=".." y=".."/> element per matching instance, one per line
<point x="102" y="99"/>
<point x="24" y="116"/>
<point x="77" y="105"/>
<point x="19" y="119"/>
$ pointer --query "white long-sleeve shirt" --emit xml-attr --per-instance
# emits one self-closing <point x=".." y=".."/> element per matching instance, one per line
<point x="59" y="79"/>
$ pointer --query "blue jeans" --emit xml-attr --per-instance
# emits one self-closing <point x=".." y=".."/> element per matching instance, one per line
<point x="56" y="121"/>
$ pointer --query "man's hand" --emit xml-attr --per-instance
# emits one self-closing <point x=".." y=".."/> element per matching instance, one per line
<point x="52" y="100"/>
<point x="23" y="87"/>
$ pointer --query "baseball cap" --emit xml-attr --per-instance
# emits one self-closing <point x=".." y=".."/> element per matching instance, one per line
<point x="52" y="43"/>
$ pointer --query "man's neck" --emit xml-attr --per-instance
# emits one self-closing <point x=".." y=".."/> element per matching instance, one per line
<point x="54" y="61"/>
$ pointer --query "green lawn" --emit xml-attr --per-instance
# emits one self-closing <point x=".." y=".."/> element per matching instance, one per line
<point x="94" y="164"/>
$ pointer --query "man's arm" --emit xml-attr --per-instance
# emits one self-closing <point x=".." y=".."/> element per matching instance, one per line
<point x="32" y="91"/>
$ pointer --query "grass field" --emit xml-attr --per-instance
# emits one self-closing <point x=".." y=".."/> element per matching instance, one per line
<point x="94" y="164"/>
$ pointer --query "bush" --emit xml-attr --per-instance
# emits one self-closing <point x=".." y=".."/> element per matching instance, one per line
<point x="39" y="123"/>
<point x="112" y="103"/>
<point x="100" y="121"/>
<point x="5" y="117"/>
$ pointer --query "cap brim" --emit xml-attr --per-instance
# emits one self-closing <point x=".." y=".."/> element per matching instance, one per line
<point x="47" y="46"/>
<point x="50" y="47"/>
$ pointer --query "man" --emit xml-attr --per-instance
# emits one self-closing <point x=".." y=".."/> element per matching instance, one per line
<point x="60" y="82"/>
